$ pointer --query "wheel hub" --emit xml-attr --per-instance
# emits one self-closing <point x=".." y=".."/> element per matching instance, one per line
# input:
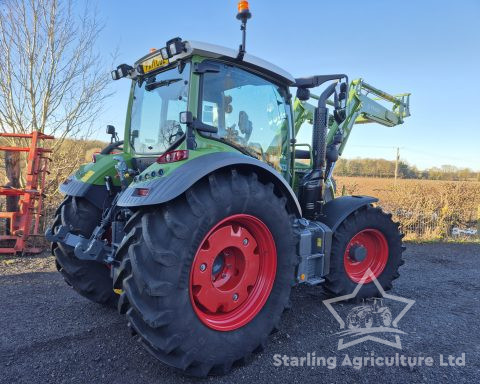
<point x="358" y="252"/>
<point x="368" y="249"/>
<point x="218" y="265"/>
<point x="233" y="272"/>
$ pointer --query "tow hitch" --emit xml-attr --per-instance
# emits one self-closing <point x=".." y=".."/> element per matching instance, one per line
<point x="96" y="248"/>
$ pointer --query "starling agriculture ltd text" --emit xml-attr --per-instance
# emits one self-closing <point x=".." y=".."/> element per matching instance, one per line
<point x="372" y="360"/>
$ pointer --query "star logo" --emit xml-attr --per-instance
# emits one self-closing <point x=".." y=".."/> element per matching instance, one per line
<point x="372" y="317"/>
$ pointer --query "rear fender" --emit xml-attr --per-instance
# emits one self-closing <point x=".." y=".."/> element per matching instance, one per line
<point x="169" y="187"/>
<point x="95" y="194"/>
<point x="89" y="180"/>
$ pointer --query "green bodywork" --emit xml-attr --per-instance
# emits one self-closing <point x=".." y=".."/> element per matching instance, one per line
<point x="360" y="108"/>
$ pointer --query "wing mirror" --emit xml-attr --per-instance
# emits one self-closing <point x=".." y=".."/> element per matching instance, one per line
<point x="111" y="131"/>
<point x="303" y="94"/>
<point x="342" y="95"/>
<point x="340" y="101"/>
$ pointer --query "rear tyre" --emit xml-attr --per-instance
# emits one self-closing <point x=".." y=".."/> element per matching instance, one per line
<point x="89" y="278"/>
<point x="367" y="239"/>
<point x="207" y="276"/>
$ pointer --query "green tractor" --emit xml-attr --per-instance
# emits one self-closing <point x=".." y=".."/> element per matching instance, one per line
<point x="198" y="224"/>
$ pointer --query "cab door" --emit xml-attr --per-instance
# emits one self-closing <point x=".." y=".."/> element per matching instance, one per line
<point x="251" y="113"/>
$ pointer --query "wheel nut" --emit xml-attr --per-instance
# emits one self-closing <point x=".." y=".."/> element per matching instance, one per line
<point x="203" y="267"/>
<point x="235" y="296"/>
<point x="245" y="242"/>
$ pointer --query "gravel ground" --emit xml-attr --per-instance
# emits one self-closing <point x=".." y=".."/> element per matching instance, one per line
<point x="49" y="334"/>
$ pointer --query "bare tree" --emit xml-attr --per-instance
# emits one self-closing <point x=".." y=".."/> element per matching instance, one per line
<point x="51" y="75"/>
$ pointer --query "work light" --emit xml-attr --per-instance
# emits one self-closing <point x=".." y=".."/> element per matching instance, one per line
<point x="175" y="46"/>
<point x="123" y="70"/>
<point x="164" y="53"/>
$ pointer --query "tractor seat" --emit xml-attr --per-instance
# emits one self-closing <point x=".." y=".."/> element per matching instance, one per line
<point x="302" y="154"/>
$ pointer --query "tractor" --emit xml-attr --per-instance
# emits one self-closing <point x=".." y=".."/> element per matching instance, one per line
<point x="370" y="313"/>
<point x="198" y="224"/>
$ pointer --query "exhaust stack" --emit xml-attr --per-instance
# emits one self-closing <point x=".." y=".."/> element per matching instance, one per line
<point x="312" y="186"/>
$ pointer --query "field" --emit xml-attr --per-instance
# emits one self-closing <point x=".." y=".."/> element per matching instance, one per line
<point x="426" y="209"/>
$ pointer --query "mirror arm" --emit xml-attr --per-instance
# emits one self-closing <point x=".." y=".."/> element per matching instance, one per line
<point x="202" y="127"/>
<point x="192" y="123"/>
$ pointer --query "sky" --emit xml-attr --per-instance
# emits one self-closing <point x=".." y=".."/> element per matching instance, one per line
<point x="428" y="48"/>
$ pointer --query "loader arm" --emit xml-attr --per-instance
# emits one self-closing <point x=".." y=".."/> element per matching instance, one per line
<point x="361" y="108"/>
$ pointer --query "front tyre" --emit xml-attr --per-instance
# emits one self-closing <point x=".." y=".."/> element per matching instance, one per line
<point x="367" y="240"/>
<point x="207" y="276"/>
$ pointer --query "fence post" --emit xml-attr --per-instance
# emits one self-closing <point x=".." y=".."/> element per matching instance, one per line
<point x="478" y="221"/>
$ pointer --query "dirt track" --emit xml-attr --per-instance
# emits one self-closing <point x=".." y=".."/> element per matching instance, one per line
<point x="50" y="334"/>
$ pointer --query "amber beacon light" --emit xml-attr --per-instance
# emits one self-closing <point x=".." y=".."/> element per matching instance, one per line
<point x="243" y="15"/>
<point x="243" y="9"/>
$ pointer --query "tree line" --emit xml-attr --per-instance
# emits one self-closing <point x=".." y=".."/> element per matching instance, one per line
<point x="386" y="169"/>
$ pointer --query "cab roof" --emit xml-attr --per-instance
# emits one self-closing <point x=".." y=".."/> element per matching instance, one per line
<point x="218" y="52"/>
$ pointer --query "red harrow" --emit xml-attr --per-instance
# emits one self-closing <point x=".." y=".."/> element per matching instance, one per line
<point x="24" y="223"/>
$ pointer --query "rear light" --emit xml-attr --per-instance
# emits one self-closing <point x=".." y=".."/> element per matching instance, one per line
<point x="141" y="192"/>
<point x="173" y="156"/>
<point x="94" y="157"/>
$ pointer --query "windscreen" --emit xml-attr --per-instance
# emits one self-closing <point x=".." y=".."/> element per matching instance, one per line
<point x="158" y="100"/>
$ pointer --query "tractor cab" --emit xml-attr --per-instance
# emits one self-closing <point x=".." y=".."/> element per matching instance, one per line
<point x="191" y="98"/>
<point x="197" y="96"/>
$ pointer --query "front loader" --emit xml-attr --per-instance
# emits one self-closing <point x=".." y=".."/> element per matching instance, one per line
<point x="200" y="221"/>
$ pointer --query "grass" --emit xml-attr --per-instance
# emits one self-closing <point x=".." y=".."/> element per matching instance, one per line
<point x="427" y="210"/>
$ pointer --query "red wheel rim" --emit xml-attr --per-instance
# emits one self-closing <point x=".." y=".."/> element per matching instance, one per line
<point x="233" y="272"/>
<point x="368" y="249"/>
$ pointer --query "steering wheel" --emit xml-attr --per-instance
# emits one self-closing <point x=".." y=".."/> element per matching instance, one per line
<point x="173" y="125"/>
<point x="245" y="125"/>
<point x="111" y="147"/>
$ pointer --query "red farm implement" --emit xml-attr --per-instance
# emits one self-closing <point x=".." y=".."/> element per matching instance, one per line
<point x="23" y="225"/>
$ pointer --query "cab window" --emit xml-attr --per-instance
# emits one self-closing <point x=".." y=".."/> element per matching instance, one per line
<point x="157" y="101"/>
<point x="249" y="112"/>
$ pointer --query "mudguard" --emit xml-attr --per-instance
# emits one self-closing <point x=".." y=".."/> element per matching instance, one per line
<point x="89" y="180"/>
<point x="96" y="194"/>
<point x="337" y="210"/>
<point x="178" y="181"/>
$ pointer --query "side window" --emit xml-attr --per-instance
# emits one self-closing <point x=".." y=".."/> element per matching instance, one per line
<point x="249" y="112"/>
<point x="210" y="113"/>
